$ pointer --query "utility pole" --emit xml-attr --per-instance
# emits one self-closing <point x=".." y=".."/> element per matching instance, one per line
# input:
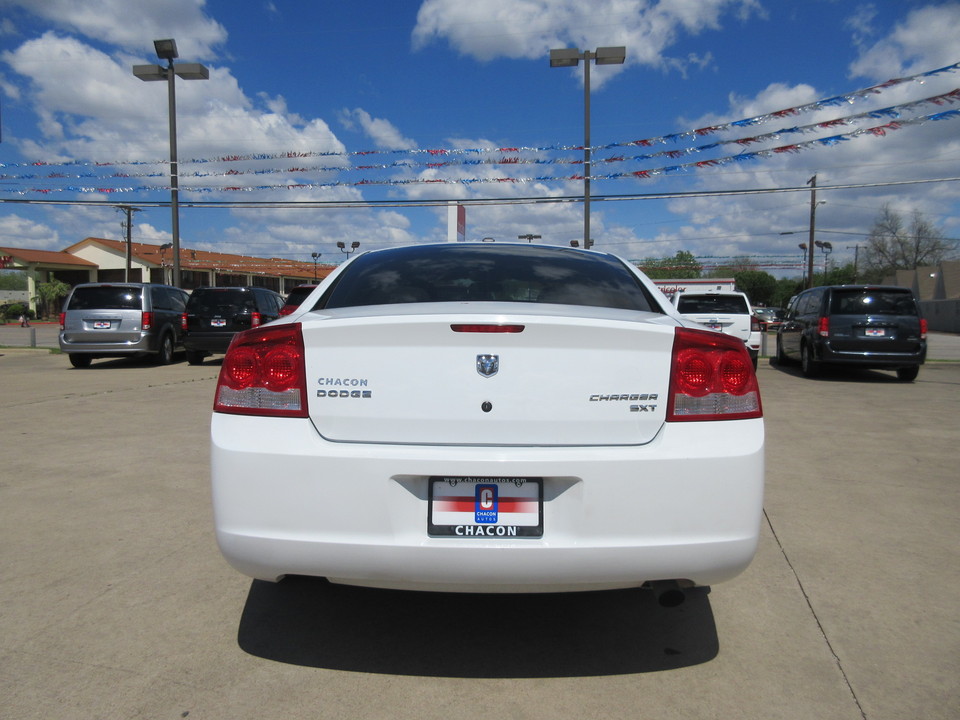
<point x="129" y="210"/>
<point x="856" y="257"/>
<point x="812" y="182"/>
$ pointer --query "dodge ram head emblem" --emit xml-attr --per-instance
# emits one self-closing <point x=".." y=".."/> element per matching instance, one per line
<point x="487" y="365"/>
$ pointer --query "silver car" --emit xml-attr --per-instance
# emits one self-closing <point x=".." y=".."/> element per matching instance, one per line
<point x="101" y="320"/>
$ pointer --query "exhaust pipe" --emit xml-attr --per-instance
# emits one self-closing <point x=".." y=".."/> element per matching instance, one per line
<point x="669" y="593"/>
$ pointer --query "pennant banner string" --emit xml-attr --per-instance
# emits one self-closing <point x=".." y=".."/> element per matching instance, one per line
<point x="664" y="139"/>
<point x="877" y="131"/>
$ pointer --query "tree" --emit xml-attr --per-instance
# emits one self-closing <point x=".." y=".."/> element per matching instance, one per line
<point x="682" y="266"/>
<point x="895" y="245"/>
<point x="49" y="292"/>
<point x="758" y="285"/>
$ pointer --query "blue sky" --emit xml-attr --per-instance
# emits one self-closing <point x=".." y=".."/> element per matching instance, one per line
<point x="360" y="91"/>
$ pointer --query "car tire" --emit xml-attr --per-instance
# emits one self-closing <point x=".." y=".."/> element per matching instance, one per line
<point x="165" y="351"/>
<point x="810" y="367"/>
<point x="908" y="374"/>
<point x="194" y="357"/>
<point x="80" y="361"/>
<point x="782" y="358"/>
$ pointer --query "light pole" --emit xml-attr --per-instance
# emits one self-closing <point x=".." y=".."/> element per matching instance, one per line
<point x="571" y="57"/>
<point x="827" y="249"/>
<point x="803" y="246"/>
<point x="353" y="246"/>
<point x="315" y="256"/>
<point x="528" y="237"/>
<point x="167" y="50"/>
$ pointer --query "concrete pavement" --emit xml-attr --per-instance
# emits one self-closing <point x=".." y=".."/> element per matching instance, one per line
<point x="114" y="601"/>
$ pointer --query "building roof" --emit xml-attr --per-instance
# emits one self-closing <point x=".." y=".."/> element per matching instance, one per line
<point x="46" y="257"/>
<point x="204" y="260"/>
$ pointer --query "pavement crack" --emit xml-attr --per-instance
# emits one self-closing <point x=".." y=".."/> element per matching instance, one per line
<point x="813" y="612"/>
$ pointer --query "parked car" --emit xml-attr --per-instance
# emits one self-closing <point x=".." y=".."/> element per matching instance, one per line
<point x="295" y="298"/>
<point x="215" y="314"/>
<point x="109" y="320"/>
<point x="726" y="312"/>
<point x="768" y="318"/>
<point x="485" y="417"/>
<point x="867" y="326"/>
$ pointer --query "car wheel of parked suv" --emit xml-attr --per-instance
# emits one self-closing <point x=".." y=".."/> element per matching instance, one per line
<point x="782" y="358"/>
<point x="80" y="361"/>
<point x="908" y="374"/>
<point x="195" y="357"/>
<point x="810" y="367"/>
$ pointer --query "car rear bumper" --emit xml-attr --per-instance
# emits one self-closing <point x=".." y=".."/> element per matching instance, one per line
<point x="876" y="358"/>
<point x="146" y="344"/>
<point x="209" y="343"/>
<point x="686" y="506"/>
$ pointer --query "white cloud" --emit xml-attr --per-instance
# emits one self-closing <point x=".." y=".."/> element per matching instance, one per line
<point x="488" y="29"/>
<point x="16" y="231"/>
<point x="384" y="134"/>
<point x="135" y="24"/>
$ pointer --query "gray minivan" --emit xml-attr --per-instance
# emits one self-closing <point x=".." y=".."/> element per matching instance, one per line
<point x="101" y="320"/>
<point x="869" y="326"/>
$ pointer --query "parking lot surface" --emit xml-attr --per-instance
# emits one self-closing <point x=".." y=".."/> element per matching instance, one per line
<point x="115" y="602"/>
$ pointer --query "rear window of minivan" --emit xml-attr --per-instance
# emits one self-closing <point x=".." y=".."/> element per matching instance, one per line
<point x="106" y="297"/>
<point x="872" y="302"/>
<point x="712" y="304"/>
<point x="204" y="302"/>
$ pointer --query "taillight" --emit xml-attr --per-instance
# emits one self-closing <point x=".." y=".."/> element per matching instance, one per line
<point x="255" y="319"/>
<point x="923" y="327"/>
<point x="823" y="327"/>
<point x="711" y="378"/>
<point x="287" y="310"/>
<point x="486" y="328"/>
<point x="263" y="373"/>
<point x="755" y="325"/>
<point x="63" y="320"/>
<point x="146" y="320"/>
<point x="183" y="321"/>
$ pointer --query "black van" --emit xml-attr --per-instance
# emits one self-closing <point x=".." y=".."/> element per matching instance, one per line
<point x="869" y="326"/>
<point x="215" y="314"/>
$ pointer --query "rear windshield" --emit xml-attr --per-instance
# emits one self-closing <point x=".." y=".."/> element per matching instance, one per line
<point x="106" y="297"/>
<point x="872" y="302"/>
<point x="212" y="302"/>
<point x="736" y="304"/>
<point x="299" y="294"/>
<point x="492" y="273"/>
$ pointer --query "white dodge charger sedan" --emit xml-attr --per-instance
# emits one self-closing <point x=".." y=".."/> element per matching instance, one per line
<point x="487" y="417"/>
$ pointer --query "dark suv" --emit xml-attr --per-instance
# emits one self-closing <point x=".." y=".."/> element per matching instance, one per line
<point x="869" y="326"/>
<point x="121" y="319"/>
<point x="215" y="314"/>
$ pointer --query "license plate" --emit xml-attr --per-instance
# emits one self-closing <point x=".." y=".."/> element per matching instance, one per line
<point x="216" y="322"/>
<point x="101" y="324"/>
<point x="501" y="507"/>
<point x="875" y="332"/>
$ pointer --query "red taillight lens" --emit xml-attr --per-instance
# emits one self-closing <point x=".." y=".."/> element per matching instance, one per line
<point x="711" y="378"/>
<point x="923" y="328"/>
<point x="755" y="325"/>
<point x="823" y="327"/>
<point x="287" y="310"/>
<point x="146" y="320"/>
<point x="263" y="374"/>
<point x="255" y="319"/>
<point x="183" y="321"/>
<point x="63" y="320"/>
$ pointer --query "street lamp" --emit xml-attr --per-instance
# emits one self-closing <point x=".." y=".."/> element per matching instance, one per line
<point x="571" y="57"/>
<point x="528" y="237"/>
<point x="167" y="50"/>
<point x="353" y="246"/>
<point x="315" y="256"/>
<point x="802" y="246"/>
<point x="827" y="249"/>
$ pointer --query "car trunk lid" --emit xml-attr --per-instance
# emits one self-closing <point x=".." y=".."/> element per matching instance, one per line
<point x="557" y="380"/>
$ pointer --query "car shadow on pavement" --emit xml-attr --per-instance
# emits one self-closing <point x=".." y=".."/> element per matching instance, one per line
<point x="314" y="623"/>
